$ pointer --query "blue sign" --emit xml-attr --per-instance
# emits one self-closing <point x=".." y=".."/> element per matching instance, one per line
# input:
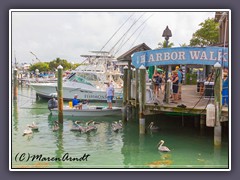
<point x="181" y="55"/>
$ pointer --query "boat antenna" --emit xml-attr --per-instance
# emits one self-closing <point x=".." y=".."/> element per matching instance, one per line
<point x="15" y="59"/>
<point x="133" y="33"/>
<point x="126" y="32"/>
<point x="117" y="31"/>
<point x="137" y="36"/>
<point x="35" y="56"/>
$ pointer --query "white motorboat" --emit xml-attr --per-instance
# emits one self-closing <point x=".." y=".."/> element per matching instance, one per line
<point x="88" y="81"/>
<point x="89" y="111"/>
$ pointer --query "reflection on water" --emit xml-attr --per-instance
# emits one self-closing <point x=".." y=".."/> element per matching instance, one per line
<point x="190" y="148"/>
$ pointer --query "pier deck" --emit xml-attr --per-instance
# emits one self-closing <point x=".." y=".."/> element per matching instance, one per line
<point x="194" y="102"/>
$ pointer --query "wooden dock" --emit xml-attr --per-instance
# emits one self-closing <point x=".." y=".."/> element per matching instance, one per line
<point x="194" y="102"/>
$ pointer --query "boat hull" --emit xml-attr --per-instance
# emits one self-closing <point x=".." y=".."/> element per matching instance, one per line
<point x="91" y="112"/>
<point x="45" y="90"/>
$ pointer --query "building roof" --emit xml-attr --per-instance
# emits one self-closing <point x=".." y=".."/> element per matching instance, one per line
<point x="127" y="55"/>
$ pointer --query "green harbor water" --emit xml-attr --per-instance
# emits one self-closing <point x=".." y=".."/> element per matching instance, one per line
<point x="191" y="147"/>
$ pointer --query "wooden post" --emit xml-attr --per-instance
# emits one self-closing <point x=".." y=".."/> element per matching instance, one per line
<point x="129" y="81"/>
<point x="142" y="98"/>
<point x="15" y="84"/>
<point x="218" y="104"/>
<point x="125" y="87"/>
<point x="60" y="94"/>
<point x="137" y="87"/>
<point x="202" y="121"/>
<point x="136" y="94"/>
<point x="168" y="91"/>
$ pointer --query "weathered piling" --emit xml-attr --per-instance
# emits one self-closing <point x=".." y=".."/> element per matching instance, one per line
<point x="136" y="107"/>
<point x="168" y="91"/>
<point x="142" y="99"/>
<point x="125" y="91"/>
<point x="36" y="74"/>
<point x="218" y="104"/>
<point x="60" y="94"/>
<point x="15" y="84"/>
<point x="129" y="82"/>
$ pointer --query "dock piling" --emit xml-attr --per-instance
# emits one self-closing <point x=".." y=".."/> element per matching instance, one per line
<point x="142" y="99"/>
<point x="15" y="84"/>
<point x="125" y="92"/>
<point x="60" y="94"/>
<point x="218" y="104"/>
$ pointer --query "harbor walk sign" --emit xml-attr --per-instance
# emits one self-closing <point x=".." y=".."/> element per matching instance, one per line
<point x="181" y="55"/>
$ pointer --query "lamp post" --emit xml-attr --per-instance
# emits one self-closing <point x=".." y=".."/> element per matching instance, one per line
<point x="166" y="33"/>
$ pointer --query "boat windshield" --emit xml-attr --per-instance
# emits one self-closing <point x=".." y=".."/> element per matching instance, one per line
<point x="83" y="78"/>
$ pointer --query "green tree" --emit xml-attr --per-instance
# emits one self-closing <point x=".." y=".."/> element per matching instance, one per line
<point x="164" y="44"/>
<point x="41" y="66"/>
<point x="207" y="34"/>
<point x="55" y="63"/>
<point x="183" y="45"/>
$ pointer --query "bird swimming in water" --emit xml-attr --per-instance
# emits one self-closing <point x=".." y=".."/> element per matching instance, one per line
<point x="152" y="127"/>
<point x="162" y="148"/>
<point x="33" y="126"/>
<point x="89" y="127"/>
<point x="27" y="131"/>
<point x="116" y="126"/>
<point x="56" y="126"/>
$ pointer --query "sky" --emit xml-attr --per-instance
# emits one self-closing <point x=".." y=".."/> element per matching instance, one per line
<point x="64" y="34"/>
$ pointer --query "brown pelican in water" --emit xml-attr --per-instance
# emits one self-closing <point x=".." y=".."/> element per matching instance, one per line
<point x="162" y="148"/>
<point x="27" y="131"/>
<point x="152" y="127"/>
<point x="116" y="126"/>
<point x="89" y="127"/>
<point x="33" y="126"/>
<point x="56" y="126"/>
<point x="78" y="127"/>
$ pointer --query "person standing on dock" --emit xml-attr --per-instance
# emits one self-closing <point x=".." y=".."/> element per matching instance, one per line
<point x="180" y="76"/>
<point x="110" y="95"/>
<point x="156" y="82"/>
<point x="76" y="102"/>
<point x="175" y="82"/>
<point x="225" y="89"/>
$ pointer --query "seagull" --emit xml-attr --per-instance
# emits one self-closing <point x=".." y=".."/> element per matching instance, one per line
<point x="162" y="148"/>
<point x="27" y="131"/>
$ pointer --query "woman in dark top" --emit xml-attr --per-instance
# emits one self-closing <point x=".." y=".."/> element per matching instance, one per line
<point x="156" y="82"/>
<point x="175" y="86"/>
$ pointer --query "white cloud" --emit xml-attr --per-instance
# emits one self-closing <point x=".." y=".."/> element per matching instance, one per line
<point x="69" y="34"/>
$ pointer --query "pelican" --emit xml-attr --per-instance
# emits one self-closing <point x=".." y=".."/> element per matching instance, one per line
<point x="89" y="127"/>
<point x="27" y="131"/>
<point x="162" y="148"/>
<point x="33" y="126"/>
<point x="152" y="127"/>
<point x="116" y="126"/>
<point x="80" y="128"/>
<point x="56" y="126"/>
